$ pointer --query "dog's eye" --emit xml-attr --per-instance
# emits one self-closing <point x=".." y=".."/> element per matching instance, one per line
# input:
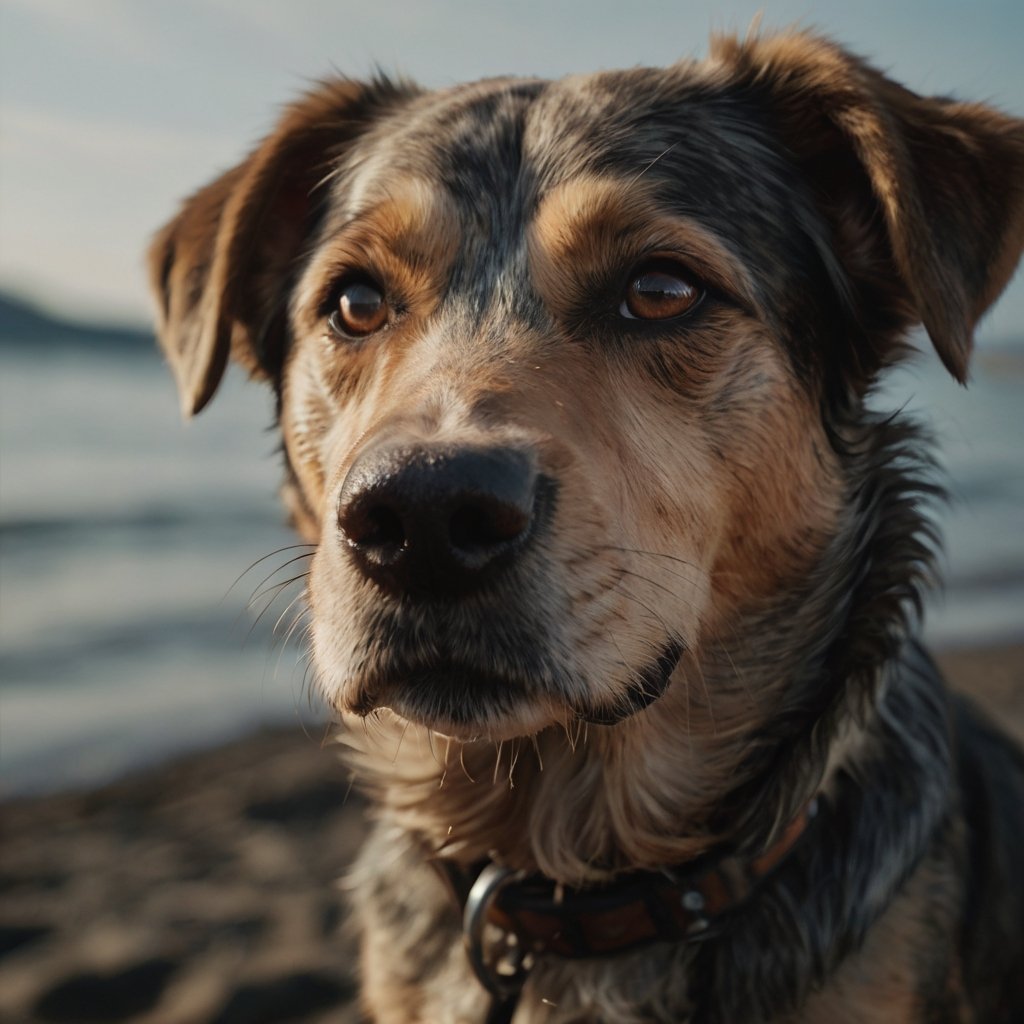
<point x="362" y="309"/>
<point x="659" y="290"/>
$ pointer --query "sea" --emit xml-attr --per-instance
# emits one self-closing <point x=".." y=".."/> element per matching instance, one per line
<point x="146" y="574"/>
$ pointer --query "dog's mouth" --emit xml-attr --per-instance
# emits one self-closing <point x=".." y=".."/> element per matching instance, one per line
<point x="645" y="687"/>
<point x="469" y="702"/>
<point x="448" y="696"/>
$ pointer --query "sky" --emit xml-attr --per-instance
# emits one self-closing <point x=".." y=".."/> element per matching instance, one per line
<point x="111" y="111"/>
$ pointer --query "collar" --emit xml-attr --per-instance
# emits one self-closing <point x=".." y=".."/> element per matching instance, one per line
<point x="510" y="918"/>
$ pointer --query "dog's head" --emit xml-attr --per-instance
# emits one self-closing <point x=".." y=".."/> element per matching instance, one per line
<point x="569" y="372"/>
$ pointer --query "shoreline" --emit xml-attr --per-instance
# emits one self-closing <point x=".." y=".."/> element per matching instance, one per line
<point x="205" y="889"/>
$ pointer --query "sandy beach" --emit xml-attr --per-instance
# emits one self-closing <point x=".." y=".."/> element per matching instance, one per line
<point x="207" y="890"/>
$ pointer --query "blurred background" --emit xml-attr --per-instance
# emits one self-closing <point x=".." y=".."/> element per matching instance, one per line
<point x="125" y="634"/>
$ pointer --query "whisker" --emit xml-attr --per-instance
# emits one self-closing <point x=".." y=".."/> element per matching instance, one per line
<point x="307" y="685"/>
<point x="580" y="728"/>
<point x="309" y="689"/>
<point x="288" y="547"/>
<point x="260" y="590"/>
<point x="497" y="762"/>
<point x="565" y="723"/>
<point x="271" y="593"/>
<point x="310" y="667"/>
<point x="647" y="608"/>
<point x="462" y="762"/>
<point x="276" y="588"/>
<point x="276" y="591"/>
<point x="323" y="739"/>
<point x="401" y="739"/>
<point x="667" y="555"/>
<point x="348" y="790"/>
<point x="447" y="752"/>
<point x="295" y="623"/>
<point x="664" y="555"/>
<point x="513" y="761"/>
<point x="615" y="644"/>
<point x="305" y="732"/>
<point x="287" y="637"/>
<point x="654" y="583"/>
<point x="288" y="607"/>
<point x="430" y="746"/>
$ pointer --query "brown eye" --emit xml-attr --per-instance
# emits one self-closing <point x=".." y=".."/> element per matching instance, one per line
<point x="362" y="309"/>
<point x="659" y="291"/>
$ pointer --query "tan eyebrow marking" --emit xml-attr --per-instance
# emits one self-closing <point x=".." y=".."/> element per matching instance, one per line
<point x="597" y="224"/>
<point x="407" y="234"/>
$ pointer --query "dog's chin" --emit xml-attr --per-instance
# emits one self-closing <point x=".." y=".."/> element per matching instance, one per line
<point x="458" y="702"/>
<point x="486" y="730"/>
<point x="468" y="704"/>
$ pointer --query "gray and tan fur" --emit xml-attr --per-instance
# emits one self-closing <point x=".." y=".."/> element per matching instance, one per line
<point x="724" y="551"/>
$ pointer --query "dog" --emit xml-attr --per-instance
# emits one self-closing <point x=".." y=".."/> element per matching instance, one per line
<point x="614" y="575"/>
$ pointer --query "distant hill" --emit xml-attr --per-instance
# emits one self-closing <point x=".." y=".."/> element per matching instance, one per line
<point x="22" y="325"/>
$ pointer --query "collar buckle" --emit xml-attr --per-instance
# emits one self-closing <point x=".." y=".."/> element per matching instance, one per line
<point x="496" y="954"/>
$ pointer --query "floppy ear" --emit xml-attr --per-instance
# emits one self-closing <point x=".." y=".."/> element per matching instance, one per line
<point x="930" y="191"/>
<point x="222" y="268"/>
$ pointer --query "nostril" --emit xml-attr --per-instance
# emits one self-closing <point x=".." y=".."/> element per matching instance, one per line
<point x="481" y="524"/>
<point x="373" y="526"/>
<point x="384" y="527"/>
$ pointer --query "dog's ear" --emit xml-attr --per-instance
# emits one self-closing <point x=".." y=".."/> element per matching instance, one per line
<point x="222" y="267"/>
<point x="925" y="191"/>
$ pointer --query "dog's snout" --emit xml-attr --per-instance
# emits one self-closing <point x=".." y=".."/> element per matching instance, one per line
<point x="427" y="523"/>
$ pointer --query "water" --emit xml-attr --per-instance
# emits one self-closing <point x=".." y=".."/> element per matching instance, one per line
<point x="124" y="529"/>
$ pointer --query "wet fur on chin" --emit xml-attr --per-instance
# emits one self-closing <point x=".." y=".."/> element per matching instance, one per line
<point x="723" y="493"/>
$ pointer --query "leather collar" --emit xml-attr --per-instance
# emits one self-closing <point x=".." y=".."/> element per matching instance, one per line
<point x="511" y="917"/>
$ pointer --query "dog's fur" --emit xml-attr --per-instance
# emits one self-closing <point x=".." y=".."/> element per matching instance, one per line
<point x="718" y="500"/>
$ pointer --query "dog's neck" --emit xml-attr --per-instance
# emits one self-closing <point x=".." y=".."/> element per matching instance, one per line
<point x="575" y="805"/>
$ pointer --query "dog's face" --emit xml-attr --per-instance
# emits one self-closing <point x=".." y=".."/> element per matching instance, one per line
<point x="533" y="401"/>
<point x="565" y="369"/>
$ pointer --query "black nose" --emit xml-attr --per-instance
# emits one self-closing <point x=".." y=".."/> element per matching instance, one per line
<point x="426" y="523"/>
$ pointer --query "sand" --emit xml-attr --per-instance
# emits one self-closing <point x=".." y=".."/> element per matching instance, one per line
<point x="207" y="890"/>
